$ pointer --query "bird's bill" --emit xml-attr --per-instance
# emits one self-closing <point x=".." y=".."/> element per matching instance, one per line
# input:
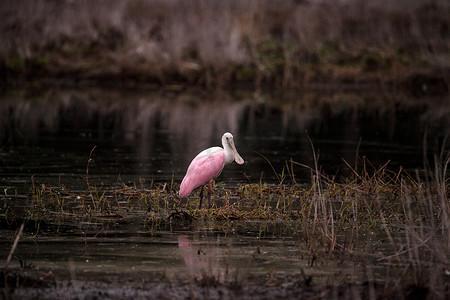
<point x="237" y="158"/>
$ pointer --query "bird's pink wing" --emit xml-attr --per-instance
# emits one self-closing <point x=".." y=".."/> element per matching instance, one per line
<point x="201" y="171"/>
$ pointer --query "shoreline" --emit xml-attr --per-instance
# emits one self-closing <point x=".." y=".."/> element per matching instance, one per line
<point x="278" y="45"/>
<point x="415" y="84"/>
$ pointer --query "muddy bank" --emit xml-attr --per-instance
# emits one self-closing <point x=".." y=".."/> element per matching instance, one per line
<point x="271" y="288"/>
<point x="222" y="292"/>
<point x="418" y="83"/>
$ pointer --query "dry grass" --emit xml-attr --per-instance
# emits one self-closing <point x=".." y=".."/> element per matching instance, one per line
<point x="285" y="43"/>
<point x="411" y="210"/>
<point x="372" y="197"/>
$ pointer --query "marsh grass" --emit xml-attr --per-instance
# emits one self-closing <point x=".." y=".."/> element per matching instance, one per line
<point x="424" y="249"/>
<point x="371" y="197"/>
<point x="284" y="43"/>
<point x="408" y="211"/>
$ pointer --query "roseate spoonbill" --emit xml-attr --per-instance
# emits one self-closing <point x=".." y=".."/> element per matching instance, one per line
<point x="208" y="165"/>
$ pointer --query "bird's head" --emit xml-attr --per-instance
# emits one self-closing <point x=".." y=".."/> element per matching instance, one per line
<point x="228" y="141"/>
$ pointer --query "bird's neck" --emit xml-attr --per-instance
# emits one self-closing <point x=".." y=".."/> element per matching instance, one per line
<point x="229" y="155"/>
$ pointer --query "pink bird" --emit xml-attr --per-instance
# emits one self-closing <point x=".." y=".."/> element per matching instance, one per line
<point x="208" y="165"/>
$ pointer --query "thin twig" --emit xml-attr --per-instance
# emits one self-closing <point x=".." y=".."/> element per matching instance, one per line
<point x="270" y="164"/>
<point x="14" y="246"/>
<point x="353" y="170"/>
<point x="406" y="250"/>
<point x="90" y="159"/>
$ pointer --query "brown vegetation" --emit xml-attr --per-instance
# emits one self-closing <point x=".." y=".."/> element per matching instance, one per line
<point x="280" y="43"/>
<point x="412" y="212"/>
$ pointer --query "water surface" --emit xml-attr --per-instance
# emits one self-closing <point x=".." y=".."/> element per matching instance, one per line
<point x="109" y="252"/>
<point x="139" y="136"/>
<point x="72" y="137"/>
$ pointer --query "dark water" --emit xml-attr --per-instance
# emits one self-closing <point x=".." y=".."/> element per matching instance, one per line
<point x="47" y="137"/>
<point x="126" y="252"/>
<point x="139" y="136"/>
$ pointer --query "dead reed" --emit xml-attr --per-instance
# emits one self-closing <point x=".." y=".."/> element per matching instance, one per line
<point x="285" y="43"/>
<point x="372" y="197"/>
<point x="411" y="210"/>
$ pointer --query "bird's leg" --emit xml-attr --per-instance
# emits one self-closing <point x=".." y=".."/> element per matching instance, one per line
<point x="201" y="197"/>
<point x="212" y="184"/>
<point x="209" y="194"/>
